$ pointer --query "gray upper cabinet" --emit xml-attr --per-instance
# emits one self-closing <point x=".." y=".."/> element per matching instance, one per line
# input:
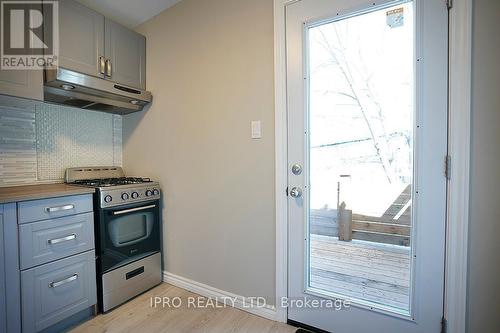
<point x="91" y="44"/>
<point x="126" y="54"/>
<point x="22" y="83"/>
<point x="81" y="38"/>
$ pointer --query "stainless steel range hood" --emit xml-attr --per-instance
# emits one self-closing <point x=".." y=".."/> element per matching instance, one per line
<point x="62" y="86"/>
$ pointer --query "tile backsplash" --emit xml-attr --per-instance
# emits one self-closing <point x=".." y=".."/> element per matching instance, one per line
<point x="39" y="141"/>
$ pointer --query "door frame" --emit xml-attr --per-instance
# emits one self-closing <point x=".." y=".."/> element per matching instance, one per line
<point x="459" y="109"/>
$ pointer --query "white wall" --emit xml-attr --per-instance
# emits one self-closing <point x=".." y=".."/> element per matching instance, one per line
<point x="484" y="241"/>
<point x="210" y="69"/>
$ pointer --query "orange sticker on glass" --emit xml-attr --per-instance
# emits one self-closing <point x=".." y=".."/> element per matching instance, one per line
<point x="395" y="17"/>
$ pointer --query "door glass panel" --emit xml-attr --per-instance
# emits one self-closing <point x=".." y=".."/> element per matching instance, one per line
<point x="361" y="111"/>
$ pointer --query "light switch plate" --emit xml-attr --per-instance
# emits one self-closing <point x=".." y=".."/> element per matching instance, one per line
<point x="256" y="129"/>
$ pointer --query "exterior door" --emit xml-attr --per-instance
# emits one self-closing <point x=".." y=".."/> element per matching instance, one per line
<point x="367" y="141"/>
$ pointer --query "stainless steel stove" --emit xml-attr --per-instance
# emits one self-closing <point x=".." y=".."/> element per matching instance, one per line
<point x="113" y="187"/>
<point x="127" y="232"/>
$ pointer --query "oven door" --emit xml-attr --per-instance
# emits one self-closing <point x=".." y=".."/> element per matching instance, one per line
<point x="128" y="233"/>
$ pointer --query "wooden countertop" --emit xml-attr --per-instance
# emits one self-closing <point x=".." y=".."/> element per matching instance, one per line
<point x="33" y="192"/>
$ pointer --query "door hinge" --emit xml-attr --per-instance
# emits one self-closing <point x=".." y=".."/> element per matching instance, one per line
<point x="444" y="325"/>
<point x="449" y="4"/>
<point x="447" y="167"/>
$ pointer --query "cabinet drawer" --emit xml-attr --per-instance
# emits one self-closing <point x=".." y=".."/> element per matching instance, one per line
<point x="55" y="291"/>
<point x="44" y="209"/>
<point x="49" y="240"/>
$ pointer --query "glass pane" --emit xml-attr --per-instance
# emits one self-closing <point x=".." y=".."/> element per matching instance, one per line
<point x="361" y="92"/>
<point x="129" y="229"/>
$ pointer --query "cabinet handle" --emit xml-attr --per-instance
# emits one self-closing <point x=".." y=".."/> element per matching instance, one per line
<point x="59" y="208"/>
<point x="62" y="239"/>
<point x="102" y="65"/>
<point x="109" y="70"/>
<point x="66" y="280"/>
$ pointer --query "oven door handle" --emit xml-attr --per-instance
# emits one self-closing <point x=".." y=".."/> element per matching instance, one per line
<point x="125" y="211"/>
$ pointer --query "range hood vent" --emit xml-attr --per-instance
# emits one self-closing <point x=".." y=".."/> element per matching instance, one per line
<point x="71" y="88"/>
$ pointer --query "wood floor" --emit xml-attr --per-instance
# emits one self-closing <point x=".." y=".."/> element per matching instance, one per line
<point x="376" y="273"/>
<point x="139" y="316"/>
<point x="370" y="271"/>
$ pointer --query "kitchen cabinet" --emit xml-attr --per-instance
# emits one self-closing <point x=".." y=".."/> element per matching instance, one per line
<point x="57" y="290"/>
<point x="3" y="301"/>
<point x="10" y="302"/>
<point x="91" y="44"/>
<point x="58" y="278"/>
<point x="49" y="240"/>
<point x="81" y="38"/>
<point x="126" y="53"/>
<point x="22" y="83"/>
<point x="53" y="240"/>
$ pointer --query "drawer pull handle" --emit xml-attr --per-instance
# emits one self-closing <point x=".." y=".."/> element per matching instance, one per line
<point x="59" y="208"/>
<point x="60" y="283"/>
<point x="125" y="211"/>
<point x="62" y="239"/>
<point x="135" y="272"/>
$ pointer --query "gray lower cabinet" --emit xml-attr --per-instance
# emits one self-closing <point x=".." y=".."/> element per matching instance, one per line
<point x="126" y="51"/>
<point x="10" y="300"/>
<point x="36" y="210"/>
<point x="57" y="290"/>
<point x="49" y="240"/>
<point x="47" y="264"/>
<point x="3" y="299"/>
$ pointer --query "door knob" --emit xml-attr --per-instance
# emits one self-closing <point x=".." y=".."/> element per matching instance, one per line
<point x="296" y="169"/>
<point x="296" y="192"/>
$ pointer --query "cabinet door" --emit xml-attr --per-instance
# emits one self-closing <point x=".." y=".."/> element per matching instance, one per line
<point x="81" y="38"/>
<point x="45" y="241"/>
<point x="3" y="307"/>
<point x="57" y="290"/>
<point x="126" y="49"/>
<point x="22" y="83"/>
<point x="10" y="313"/>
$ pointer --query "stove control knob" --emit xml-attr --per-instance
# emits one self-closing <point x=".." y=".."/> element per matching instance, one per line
<point x="108" y="199"/>
<point x="156" y="192"/>
<point x="135" y="195"/>
<point x="124" y="196"/>
<point x="149" y="193"/>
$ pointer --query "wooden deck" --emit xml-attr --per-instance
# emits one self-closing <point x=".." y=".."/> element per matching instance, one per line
<point x="393" y="227"/>
<point x="373" y="272"/>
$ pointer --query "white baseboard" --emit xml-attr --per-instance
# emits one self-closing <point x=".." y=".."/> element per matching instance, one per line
<point x="240" y="302"/>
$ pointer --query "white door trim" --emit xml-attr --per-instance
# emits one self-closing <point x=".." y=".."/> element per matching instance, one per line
<point x="459" y="148"/>
<point x="460" y="64"/>
<point x="281" y="159"/>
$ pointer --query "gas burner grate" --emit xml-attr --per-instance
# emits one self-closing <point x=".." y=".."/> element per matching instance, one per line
<point x="105" y="182"/>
